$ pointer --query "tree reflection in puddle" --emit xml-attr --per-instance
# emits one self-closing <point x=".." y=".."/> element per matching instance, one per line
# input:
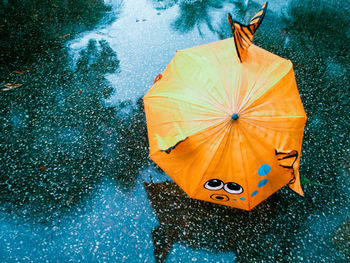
<point x="58" y="136"/>
<point x="206" y="226"/>
<point x="193" y="14"/>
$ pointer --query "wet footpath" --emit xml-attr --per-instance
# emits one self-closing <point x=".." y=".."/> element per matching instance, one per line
<point x="76" y="183"/>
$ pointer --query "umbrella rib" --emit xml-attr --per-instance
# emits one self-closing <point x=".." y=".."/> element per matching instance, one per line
<point x="205" y="139"/>
<point x="179" y="121"/>
<point x="254" y="90"/>
<point x="274" y="117"/>
<point x="183" y="100"/>
<point x="213" y="99"/>
<point x="229" y="98"/>
<point x="244" y="102"/>
<point x="226" y="126"/>
<point x="251" y="121"/>
<point x="236" y="94"/>
<point x="216" y="124"/>
<point x="210" y="98"/>
<point x="243" y="134"/>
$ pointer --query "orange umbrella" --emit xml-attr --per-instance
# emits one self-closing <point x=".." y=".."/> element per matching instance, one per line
<point x="225" y="120"/>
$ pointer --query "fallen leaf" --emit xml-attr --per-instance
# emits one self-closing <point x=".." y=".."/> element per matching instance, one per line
<point x="64" y="36"/>
<point x="69" y="201"/>
<point x="43" y="167"/>
<point x="18" y="72"/>
<point x="10" y="86"/>
<point x="31" y="69"/>
<point x="80" y="91"/>
<point x="95" y="250"/>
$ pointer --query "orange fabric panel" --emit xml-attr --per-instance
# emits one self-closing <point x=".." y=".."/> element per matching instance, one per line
<point x="215" y="124"/>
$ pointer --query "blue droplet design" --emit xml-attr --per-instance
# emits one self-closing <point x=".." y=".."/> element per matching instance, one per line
<point x="254" y="193"/>
<point x="242" y="198"/>
<point x="264" y="169"/>
<point x="234" y="199"/>
<point x="262" y="182"/>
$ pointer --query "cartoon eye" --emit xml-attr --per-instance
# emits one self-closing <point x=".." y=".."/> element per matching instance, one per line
<point x="233" y="188"/>
<point x="214" y="184"/>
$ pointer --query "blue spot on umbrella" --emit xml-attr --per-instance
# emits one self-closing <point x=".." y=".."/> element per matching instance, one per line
<point x="262" y="182"/>
<point x="254" y="193"/>
<point x="234" y="199"/>
<point x="242" y="198"/>
<point x="264" y="169"/>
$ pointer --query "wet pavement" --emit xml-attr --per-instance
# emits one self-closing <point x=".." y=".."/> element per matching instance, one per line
<point x="76" y="184"/>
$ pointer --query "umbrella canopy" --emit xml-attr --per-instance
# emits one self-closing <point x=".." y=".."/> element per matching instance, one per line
<point x="227" y="128"/>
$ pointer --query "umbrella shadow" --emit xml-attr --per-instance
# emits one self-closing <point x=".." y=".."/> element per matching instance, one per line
<point x="206" y="226"/>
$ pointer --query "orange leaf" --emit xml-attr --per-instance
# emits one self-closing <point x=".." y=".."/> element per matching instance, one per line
<point x="10" y="86"/>
<point x="64" y="36"/>
<point x="18" y="72"/>
<point x="43" y="167"/>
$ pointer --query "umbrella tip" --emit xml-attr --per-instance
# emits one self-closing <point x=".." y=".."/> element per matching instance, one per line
<point x="234" y="116"/>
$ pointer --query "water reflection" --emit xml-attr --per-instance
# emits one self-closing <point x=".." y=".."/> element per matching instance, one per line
<point x="194" y="13"/>
<point x="131" y="152"/>
<point x="58" y="137"/>
<point x="243" y="11"/>
<point x="206" y="226"/>
<point x="32" y="28"/>
<point x="56" y="153"/>
<point x="51" y="157"/>
<point x="212" y="14"/>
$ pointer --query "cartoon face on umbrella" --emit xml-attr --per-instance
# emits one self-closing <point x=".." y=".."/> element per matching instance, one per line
<point x="229" y="188"/>
<point x="225" y="120"/>
<point x="232" y="190"/>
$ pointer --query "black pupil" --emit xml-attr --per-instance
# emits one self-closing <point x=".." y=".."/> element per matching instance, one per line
<point x="214" y="183"/>
<point x="219" y="197"/>
<point x="233" y="186"/>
